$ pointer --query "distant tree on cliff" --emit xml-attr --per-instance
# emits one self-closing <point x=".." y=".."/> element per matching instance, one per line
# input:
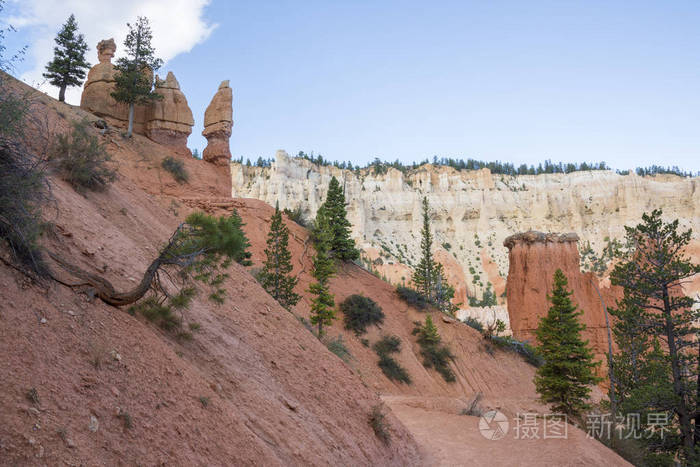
<point x="276" y="276"/>
<point x="134" y="77"/>
<point x="68" y="65"/>
<point x="323" y="304"/>
<point x="668" y="378"/>
<point x="568" y="370"/>
<point x="428" y="276"/>
<point x="342" y="246"/>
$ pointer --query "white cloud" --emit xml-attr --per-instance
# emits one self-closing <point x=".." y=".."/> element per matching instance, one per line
<point x="178" y="25"/>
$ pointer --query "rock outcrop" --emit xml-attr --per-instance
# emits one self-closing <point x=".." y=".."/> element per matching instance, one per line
<point x="169" y="120"/>
<point x="99" y="85"/>
<point x="473" y="211"/>
<point x="534" y="257"/>
<point x="218" y="122"/>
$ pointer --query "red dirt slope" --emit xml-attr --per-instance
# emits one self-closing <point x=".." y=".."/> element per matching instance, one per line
<point x="430" y="407"/>
<point x="252" y="387"/>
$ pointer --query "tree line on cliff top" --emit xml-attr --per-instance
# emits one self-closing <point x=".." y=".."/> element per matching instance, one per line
<point x="379" y="166"/>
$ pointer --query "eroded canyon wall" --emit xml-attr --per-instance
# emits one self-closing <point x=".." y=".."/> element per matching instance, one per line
<point x="472" y="211"/>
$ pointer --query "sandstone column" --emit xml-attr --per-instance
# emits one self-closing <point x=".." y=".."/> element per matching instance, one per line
<point x="534" y="257"/>
<point x="218" y="121"/>
<point x="169" y="120"/>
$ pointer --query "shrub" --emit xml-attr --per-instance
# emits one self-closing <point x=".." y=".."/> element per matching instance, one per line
<point x="528" y="352"/>
<point x="297" y="215"/>
<point x="474" y="323"/>
<point x="387" y="345"/>
<point x="157" y="312"/>
<point x="377" y="420"/>
<point x="337" y="346"/>
<point x="81" y="159"/>
<point x="435" y="354"/>
<point x="176" y="168"/>
<point x="488" y="298"/>
<point x="412" y="297"/>
<point x="438" y="357"/>
<point x="390" y="367"/>
<point x="23" y="187"/>
<point x="361" y="312"/>
<point x="23" y="190"/>
<point x="393" y="369"/>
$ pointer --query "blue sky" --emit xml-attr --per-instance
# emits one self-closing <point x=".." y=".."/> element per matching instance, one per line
<point x="504" y="80"/>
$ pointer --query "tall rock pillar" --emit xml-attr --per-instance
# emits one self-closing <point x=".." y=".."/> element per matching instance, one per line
<point x="169" y="120"/>
<point x="534" y="257"/>
<point x="218" y="121"/>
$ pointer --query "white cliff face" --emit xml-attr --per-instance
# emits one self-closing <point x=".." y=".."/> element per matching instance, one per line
<point x="472" y="211"/>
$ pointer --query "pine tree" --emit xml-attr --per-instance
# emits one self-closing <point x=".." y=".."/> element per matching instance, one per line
<point x="568" y="369"/>
<point x="425" y="274"/>
<point x="652" y="277"/>
<point x="275" y="276"/>
<point x="428" y="334"/>
<point x="323" y="304"/>
<point x="341" y="245"/>
<point x="68" y="65"/>
<point x="633" y="342"/>
<point x="429" y="276"/>
<point x="134" y="77"/>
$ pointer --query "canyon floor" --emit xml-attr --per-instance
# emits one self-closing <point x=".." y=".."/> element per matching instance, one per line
<point x="253" y="386"/>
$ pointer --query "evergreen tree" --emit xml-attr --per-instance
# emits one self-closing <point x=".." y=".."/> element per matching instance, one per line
<point x="425" y="273"/>
<point x="341" y="245"/>
<point x="428" y="334"/>
<point x="275" y="276"/>
<point x="134" y="77"/>
<point x="633" y="342"/>
<point x="429" y="277"/>
<point x="568" y="367"/>
<point x="68" y="65"/>
<point x="323" y="304"/>
<point x="669" y="380"/>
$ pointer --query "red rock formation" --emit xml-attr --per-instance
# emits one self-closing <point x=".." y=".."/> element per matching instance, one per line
<point x="534" y="257"/>
<point x="169" y="120"/>
<point x="99" y="85"/>
<point x="218" y="121"/>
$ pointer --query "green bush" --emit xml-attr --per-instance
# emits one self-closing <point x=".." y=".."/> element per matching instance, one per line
<point x="337" y="346"/>
<point x="393" y="370"/>
<point x="176" y="168"/>
<point x="157" y="312"/>
<point x="377" y="420"/>
<point x="387" y="345"/>
<point x="23" y="191"/>
<point x="297" y="215"/>
<point x="528" y="352"/>
<point x="361" y="312"/>
<point x="438" y="357"/>
<point x="435" y="354"/>
<point x="412" y="297"/>
<point x="23" y="187"/>
<point x="390" y="367"/>
<point x="474" y="323"/>
<point x="81" y="159"/>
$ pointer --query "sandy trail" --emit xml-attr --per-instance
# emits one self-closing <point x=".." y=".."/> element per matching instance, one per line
<point x="449" y="439"/>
